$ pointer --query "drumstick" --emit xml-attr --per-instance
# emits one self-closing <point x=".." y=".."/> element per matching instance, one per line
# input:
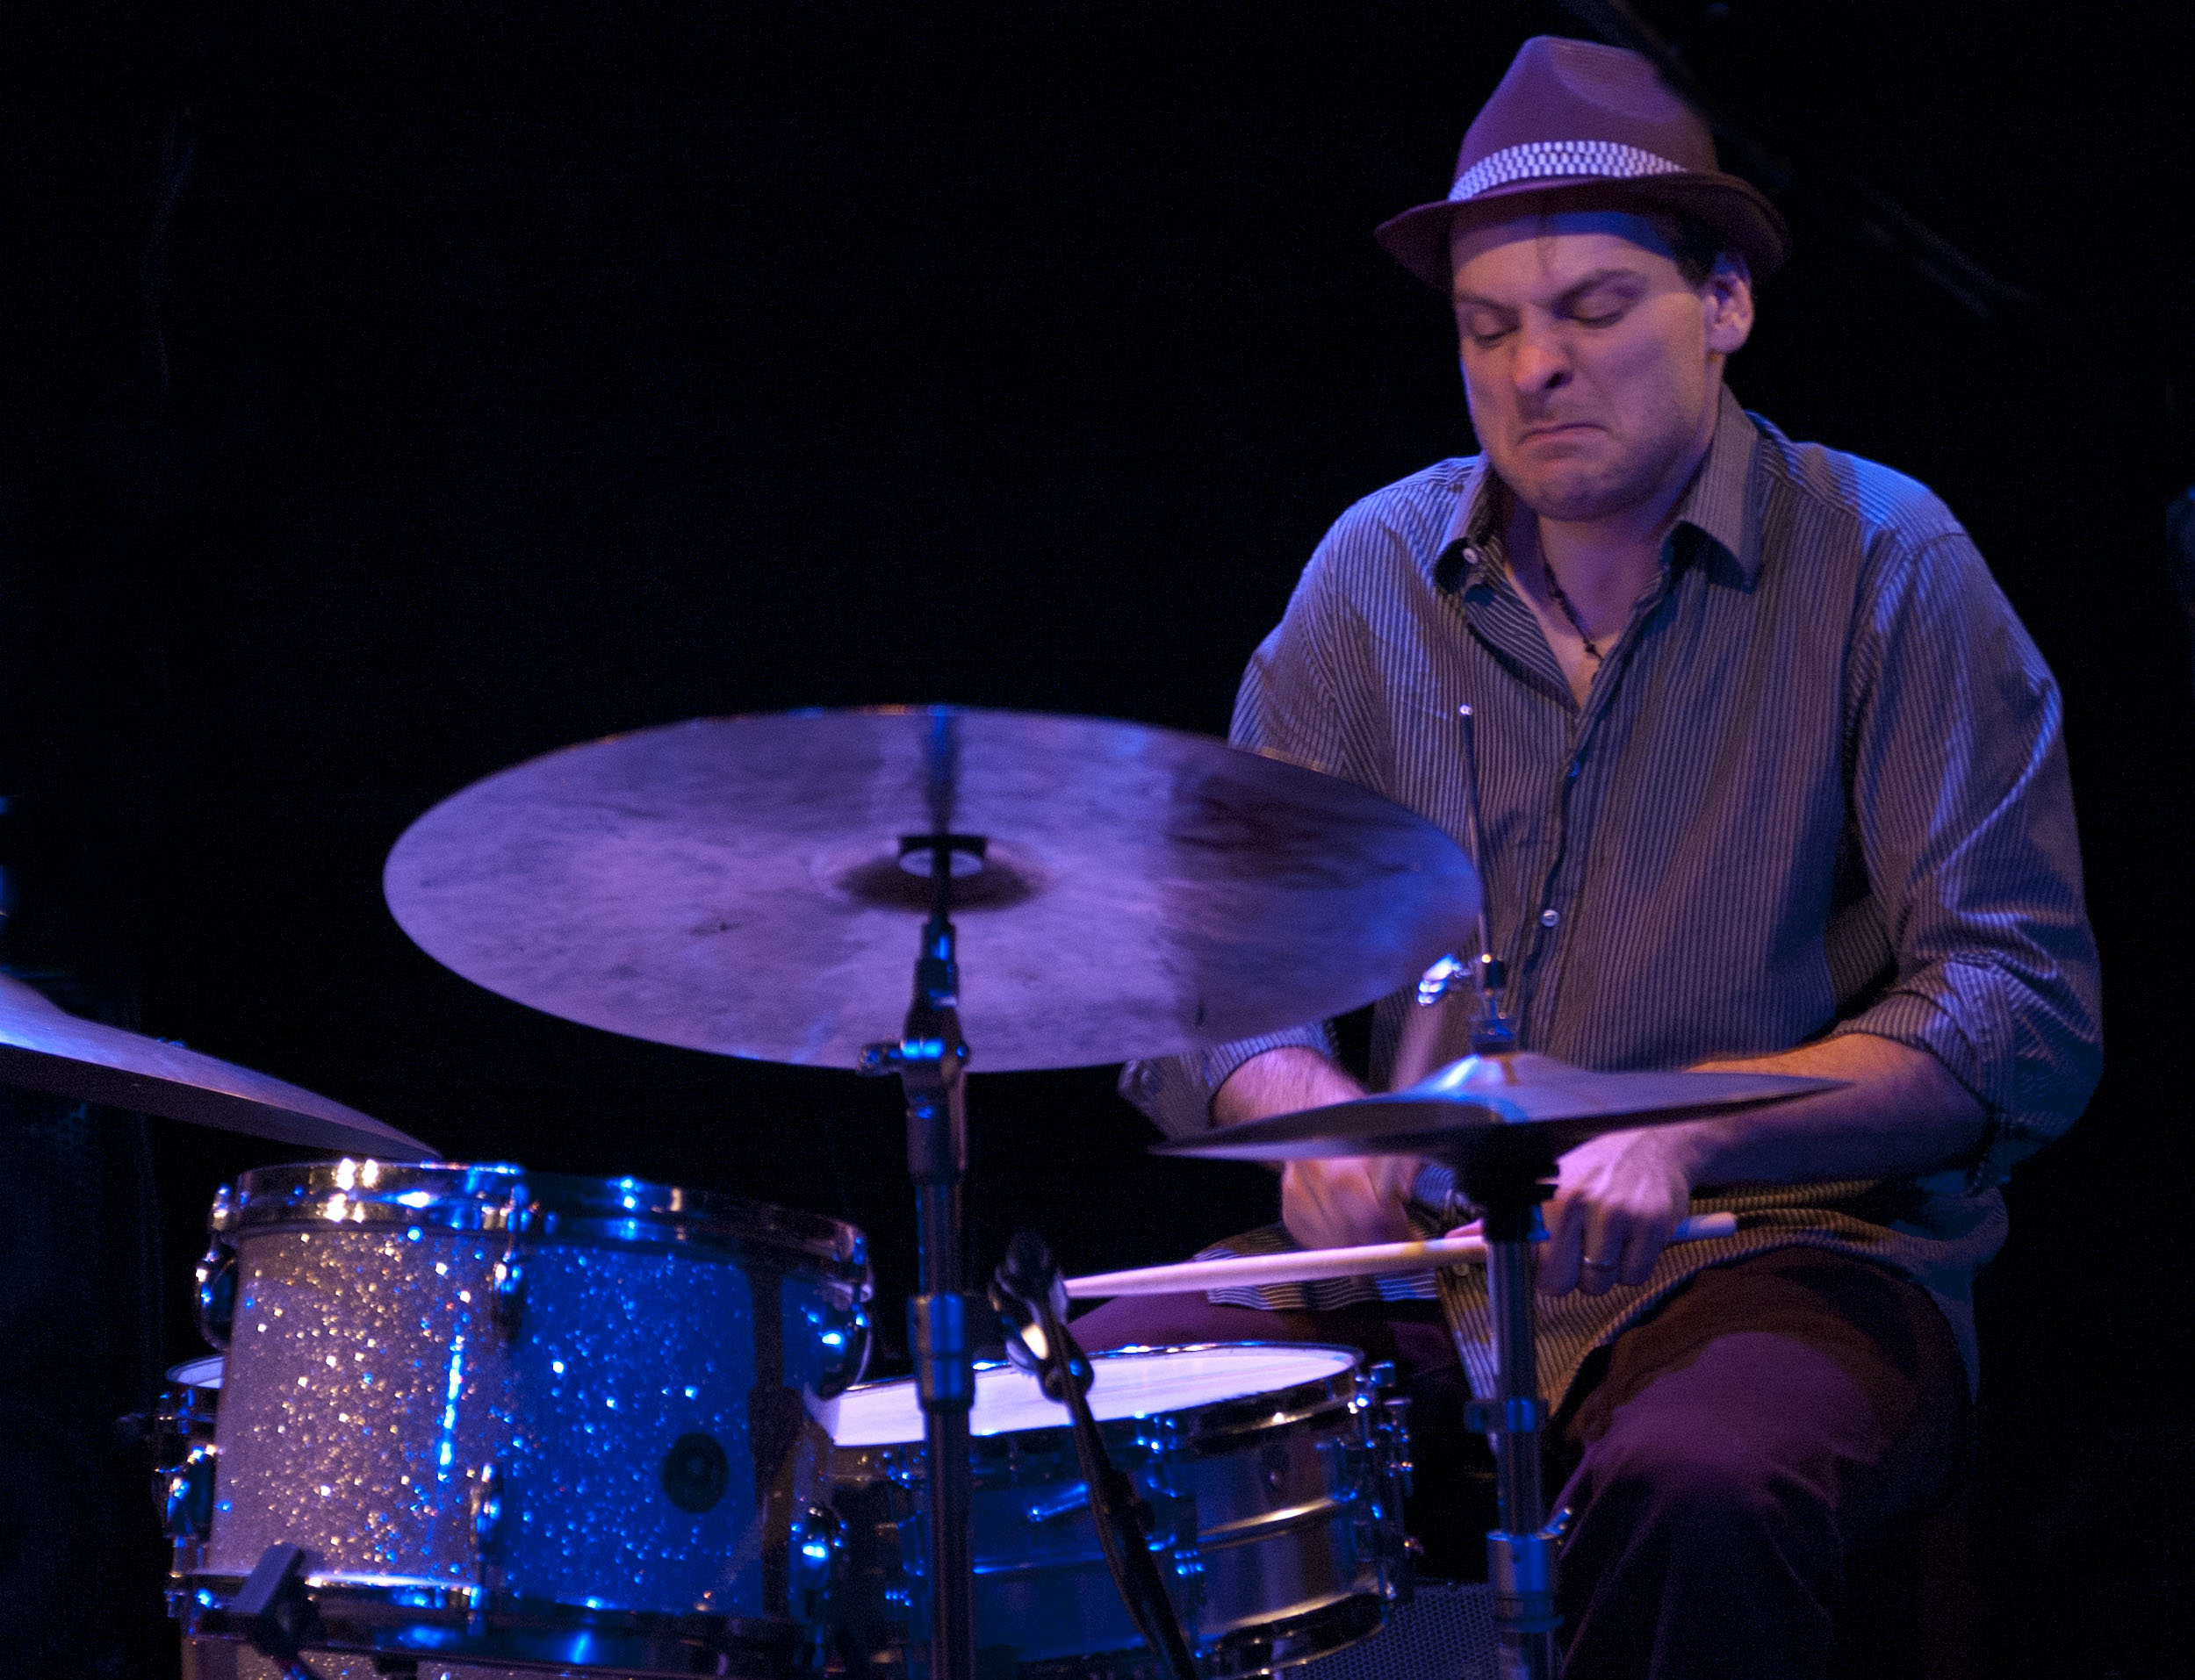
<point x="1307" y="1265"/>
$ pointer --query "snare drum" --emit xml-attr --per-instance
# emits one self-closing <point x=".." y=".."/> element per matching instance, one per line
<point x="520" y="1418"/>
<point x="1274" y="1474"/>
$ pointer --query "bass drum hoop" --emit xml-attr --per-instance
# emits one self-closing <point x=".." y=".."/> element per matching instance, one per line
<point x="433" y="1620"/>
<point x="499" y="1197"/>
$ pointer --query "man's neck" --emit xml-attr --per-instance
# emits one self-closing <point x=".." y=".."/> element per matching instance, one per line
<point x="1605" y="565"/>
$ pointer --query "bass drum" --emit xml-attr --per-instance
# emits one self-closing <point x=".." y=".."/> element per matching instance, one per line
<point x="515" y="1420"/>
<point x="1274" y="1475"/>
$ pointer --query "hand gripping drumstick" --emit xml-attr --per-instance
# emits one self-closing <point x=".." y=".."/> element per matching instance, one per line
<point x="1314" y="1263"/>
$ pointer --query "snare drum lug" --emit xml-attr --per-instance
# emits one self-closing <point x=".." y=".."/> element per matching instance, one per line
<point x="216" y="1297"/>
<point x="215" y="1302"/>
<point x="508" y="1294"/>
<point x="488" y="1507"/>
<point x="1189" y="1567"/>
<point x="1395" y="1425"/>
<point x="186" y="1505"/>
<point x="818" y="1562"/>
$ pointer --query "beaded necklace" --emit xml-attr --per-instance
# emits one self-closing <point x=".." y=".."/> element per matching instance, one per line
<point x="1555" y="594"/>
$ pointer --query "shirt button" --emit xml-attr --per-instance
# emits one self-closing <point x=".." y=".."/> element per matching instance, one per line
<point x="1548" y="918"/>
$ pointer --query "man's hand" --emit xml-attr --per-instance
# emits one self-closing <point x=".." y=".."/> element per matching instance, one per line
<point x="1618" y="1202"/>
<point x="1618" y="1198"/>
<point x="1342" y="1204"/>
<point x="1324" y="1203"/>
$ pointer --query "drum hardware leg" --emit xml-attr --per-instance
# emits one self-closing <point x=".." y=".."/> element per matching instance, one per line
<point x="1508" y="1184"/>
<point x="1031" y="1297"/>
<point x="930" y="1059"/>
<point x="275" y="1612"/>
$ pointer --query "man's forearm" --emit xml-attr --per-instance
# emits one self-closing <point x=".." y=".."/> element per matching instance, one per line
<point x="1281" y="1081"/>
<point x="1901" y="1114"/>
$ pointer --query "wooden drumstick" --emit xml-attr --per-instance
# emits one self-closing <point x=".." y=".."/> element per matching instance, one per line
<point x="1311" y="1264"/>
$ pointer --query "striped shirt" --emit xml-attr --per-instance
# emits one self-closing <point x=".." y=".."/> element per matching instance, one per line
<point x="1818" y="786"/>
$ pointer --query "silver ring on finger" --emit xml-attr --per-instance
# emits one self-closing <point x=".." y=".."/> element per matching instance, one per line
<point x="1598" y="1266"/>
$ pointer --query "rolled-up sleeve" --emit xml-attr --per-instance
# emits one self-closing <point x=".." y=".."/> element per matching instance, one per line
<point x="1965" y="812"/>
<point x="1285" y="705"/>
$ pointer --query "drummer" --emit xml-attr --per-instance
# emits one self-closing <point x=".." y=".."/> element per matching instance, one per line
<point x="1772" y="778"/>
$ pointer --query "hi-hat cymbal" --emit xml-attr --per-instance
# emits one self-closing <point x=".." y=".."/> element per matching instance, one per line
<point x="46" y="1049"/>
<point x="1443" y="1114"/>
<point x="735" y="885"/>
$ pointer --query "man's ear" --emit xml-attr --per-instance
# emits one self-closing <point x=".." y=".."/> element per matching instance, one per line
<point x="1727" y="301"/>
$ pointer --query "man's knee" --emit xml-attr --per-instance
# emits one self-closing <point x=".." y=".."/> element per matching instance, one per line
<point x="1709" y="1492"/>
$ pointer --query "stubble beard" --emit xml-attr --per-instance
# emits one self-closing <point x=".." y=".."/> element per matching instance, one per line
<point x="1574" y="490"/>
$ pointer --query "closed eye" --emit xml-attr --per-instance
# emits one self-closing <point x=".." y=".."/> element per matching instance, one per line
<point x="1601" y="301"/>
<point x="1485" y="328"/>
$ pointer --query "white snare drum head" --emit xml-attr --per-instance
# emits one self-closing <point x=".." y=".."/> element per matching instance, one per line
<point x="1125" y="1382"/>
<point x="198" y="1373"/>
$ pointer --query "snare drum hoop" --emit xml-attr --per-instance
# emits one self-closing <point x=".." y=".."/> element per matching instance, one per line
<point x="1211" y="1427"/>
<point x="501" y="1198"/>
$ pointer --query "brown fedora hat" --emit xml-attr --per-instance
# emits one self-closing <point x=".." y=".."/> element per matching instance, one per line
<point x="1595" y="126"/>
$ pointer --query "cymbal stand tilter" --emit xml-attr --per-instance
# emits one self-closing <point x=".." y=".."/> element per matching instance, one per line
<point x="930" y="1059"/>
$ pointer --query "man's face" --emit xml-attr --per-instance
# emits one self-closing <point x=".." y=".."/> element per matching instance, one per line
<point x="1593" y="368"/>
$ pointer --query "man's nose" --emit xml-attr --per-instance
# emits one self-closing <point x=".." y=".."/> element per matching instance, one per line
<point x="1542" y="362"/>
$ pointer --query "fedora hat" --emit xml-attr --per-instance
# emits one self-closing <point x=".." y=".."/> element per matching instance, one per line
<point x="1594" y="127"/>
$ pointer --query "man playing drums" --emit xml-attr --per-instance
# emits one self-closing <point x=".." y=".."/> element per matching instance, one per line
<point x="1770" y="776"/>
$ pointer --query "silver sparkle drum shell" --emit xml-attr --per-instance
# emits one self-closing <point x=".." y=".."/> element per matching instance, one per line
<point x="519" y="1418"/>
<point x="1274" y="1473"/>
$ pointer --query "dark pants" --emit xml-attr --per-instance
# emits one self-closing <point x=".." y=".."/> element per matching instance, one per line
<point x="1751" y="1472"/>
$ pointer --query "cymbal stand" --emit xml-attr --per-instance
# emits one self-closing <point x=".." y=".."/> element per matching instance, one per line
<point x="1505" y="1174"/>
<point x="930" y="1059"/>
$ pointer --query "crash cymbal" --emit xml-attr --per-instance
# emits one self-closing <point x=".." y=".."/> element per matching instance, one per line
<point x="1446" y="1113"/>
<point x="736" y="884"/>
<point x="46" y="1049"/>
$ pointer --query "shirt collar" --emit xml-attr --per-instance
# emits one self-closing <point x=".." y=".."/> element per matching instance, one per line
<point x="1716" y="506"/>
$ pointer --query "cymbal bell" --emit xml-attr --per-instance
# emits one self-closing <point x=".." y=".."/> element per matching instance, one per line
<point x="1469" y="1103"/>
<point x="747" y="885"/>
<point x="44" y="1048"/>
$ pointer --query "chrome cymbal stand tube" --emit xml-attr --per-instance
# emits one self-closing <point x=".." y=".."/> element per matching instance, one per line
<point x="930" y="1059"/>
<point x="1520" y="1554"/>
<point x="1507" y="1181"/>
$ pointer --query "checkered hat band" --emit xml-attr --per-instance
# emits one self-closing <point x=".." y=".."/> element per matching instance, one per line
<point x="1541" y="160"/>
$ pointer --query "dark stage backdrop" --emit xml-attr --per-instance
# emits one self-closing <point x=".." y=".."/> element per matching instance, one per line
<point x="399" y="390"/>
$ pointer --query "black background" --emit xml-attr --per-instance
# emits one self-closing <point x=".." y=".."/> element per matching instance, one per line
<point x="396" y="392"/>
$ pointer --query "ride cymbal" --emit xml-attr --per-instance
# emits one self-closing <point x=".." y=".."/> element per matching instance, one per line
<point x="744" y="885"/>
